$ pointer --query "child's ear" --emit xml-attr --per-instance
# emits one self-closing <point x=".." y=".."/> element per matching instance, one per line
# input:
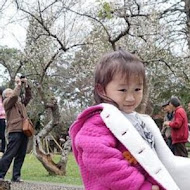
<point x="100" y="89"/>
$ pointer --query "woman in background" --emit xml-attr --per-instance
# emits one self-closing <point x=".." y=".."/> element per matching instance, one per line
<point x="2" y="124"/>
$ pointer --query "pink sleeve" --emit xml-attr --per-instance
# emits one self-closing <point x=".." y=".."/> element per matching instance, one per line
<point x="100" y="155"/>
<point x="146" y="185"/>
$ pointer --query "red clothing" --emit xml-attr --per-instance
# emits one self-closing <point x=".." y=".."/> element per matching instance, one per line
<point x="179" y="126"/>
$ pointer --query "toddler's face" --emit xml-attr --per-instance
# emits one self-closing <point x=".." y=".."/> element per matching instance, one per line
<point x="127" y="94"/>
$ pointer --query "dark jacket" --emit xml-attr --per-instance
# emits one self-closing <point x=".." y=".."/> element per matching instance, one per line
<point x="15" y="109"/>
<point x="179" y="126"/>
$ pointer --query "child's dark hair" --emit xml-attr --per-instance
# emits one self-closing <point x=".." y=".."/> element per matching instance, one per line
<point x="117" y="62"/>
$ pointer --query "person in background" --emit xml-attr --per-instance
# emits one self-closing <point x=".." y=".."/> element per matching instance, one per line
<point x="179" y="128"/>
<point x="17" y="141"/>
<point x="188" y="122"/>
<point x="2" y="125"/>
<point x="166" y="131"/>
<point x="189" y="106"/>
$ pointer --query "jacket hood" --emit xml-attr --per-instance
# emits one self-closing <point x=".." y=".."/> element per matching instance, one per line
<point x="78" y="124"/>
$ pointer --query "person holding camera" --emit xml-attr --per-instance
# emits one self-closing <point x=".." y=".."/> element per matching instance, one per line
<point x="15" y="109"/>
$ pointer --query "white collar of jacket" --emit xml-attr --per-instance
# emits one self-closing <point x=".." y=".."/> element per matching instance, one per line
<point x="170" y="171"/>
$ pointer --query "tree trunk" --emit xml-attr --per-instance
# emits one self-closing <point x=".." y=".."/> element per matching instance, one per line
<point x="30" y="145"/>
<point x="144" y="104"/>
<point x="46" y="158"/>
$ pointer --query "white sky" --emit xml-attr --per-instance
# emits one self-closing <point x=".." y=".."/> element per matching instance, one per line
<point x="12" y="31"/>
<point x="13" y="36"/>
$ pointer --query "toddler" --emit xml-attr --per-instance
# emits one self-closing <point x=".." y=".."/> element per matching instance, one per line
<point x="115" y="147"/>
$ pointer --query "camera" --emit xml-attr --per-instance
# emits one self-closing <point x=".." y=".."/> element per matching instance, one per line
<point x="22" y="77"/>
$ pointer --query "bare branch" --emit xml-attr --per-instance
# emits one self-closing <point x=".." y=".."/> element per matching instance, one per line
<point x="3" y="5"/>
<point x="47" y="66"/>
<point x="91" y="17"/>
<point x="186" y="76"/>
<point x="62" y="47"/>
<point x="50" y="5"/>
<point x="173" y="8"/>
<point x="161" y="60"/>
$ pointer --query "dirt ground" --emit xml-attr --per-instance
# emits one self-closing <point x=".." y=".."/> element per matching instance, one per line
<point x="43" y="186"/>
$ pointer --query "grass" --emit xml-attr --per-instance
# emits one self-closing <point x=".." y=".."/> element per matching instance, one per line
<point x="34" y="171"/>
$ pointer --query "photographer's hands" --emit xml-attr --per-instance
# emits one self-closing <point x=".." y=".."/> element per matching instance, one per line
<point x="25" y="81"/>
<point x="19" y="81"/>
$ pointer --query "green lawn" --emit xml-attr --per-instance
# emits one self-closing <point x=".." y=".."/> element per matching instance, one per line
<point x="34" y="171"/>
<point x="188" y="148"/>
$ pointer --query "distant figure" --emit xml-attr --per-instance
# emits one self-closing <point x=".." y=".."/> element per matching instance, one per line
<point x="189" y="106"/>
<point x="166" y="131"/>
<point x="17" y="141"/>
<point x="2" y="124"/>
<point x="179" y="128"/>
<point x="189" y="123"/>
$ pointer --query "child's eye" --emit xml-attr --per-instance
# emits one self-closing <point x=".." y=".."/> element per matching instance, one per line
<point x="123" y="90"/>
<point x="137" y="89"/>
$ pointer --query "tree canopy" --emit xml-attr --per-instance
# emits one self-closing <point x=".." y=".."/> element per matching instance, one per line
<point x="65" y="39"/>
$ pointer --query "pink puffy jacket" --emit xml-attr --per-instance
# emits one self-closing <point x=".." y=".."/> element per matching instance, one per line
<point x="101" y="157"/>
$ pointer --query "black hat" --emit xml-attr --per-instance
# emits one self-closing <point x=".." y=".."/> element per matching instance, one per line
<point x="166" y="103"/>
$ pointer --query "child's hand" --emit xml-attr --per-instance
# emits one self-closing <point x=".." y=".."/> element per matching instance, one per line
<point x="155" y="187"/>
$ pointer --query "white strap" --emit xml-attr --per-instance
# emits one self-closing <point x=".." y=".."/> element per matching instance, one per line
<point x="124" y="131"/>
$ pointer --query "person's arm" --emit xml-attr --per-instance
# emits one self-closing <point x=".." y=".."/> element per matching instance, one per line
<point x="10" y="101"/>
<point x="178" y="121"/>
<point x="28" y="94"/>
<point x="102" y="158"/>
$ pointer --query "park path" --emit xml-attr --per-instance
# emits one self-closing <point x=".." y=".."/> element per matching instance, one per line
<point x="29" y="185"/>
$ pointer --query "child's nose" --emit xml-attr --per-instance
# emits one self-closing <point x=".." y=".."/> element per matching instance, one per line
<point x="129" y="97"/>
